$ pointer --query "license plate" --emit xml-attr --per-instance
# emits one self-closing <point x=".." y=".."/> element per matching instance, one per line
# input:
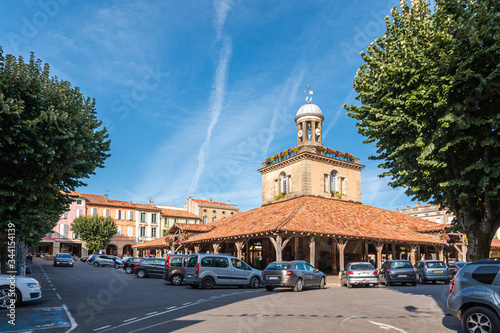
<point x="189" y="275"/>
<point x="272" y="278"/>
<point x="438" y="271"/>
<point x="403" y="275"/>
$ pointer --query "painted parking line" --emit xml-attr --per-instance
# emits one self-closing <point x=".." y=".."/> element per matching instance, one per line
<point x="39" y="318"/>
<point x="101" y="328"/>
<point x="129" y="319"/>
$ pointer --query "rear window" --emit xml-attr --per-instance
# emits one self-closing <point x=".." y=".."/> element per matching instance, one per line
<point x="193" y="260"/>
<point x="436" y="265"/>
<point x="207" y="262"/>
<point x="176" y="262"/>
<point x="277" y="267"/>
<point x="362" y="267"/>
<point x="401" y="264"/>
<point x="485" y="274"/>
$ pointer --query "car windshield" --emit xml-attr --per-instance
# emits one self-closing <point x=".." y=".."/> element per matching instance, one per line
<point x="362" y="267"/>
<point x="436" y="265"/>
<point x="64" y="255"/>
<point x="401" y="264"/>
<point x="277" y="267"/>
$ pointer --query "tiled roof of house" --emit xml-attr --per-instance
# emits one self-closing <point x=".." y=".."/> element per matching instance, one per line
<point x="99" y="199"/>
<point x="435" y="227"/>
<point x="178" y="213"/>
<point x="495" y="243"/>
<point x="155" y="243"/>
<point x="321" y="216"/>
<point x="213" y="203"/>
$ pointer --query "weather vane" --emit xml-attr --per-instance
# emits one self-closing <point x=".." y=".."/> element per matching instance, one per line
<point x="309" y="94"/>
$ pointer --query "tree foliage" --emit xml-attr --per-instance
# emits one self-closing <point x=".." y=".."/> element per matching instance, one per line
<point x="430" y="101"/>
<point x="50" y="140"/>
<point x="95" y="231"/>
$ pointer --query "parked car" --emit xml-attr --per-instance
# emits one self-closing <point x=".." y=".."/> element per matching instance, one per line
<point x="297" y="274"/>
<point x="103" y="260"/>
<point x="359" y="273"/>
<point x="84" y="259"/>
<point x="208" y="270"/>
<point x="63" y="259"/>
<point x="91" y="258"/>
<point x="432" y="270"/>
<point x="397" y="271"/>
<point x="150" y="267"/>
<point x="475" y="296"/>
<point x="175" y="268"/>
<point x="26" y="289"/>
<point x="128" y="265"/>
<point x="454" y="267"/>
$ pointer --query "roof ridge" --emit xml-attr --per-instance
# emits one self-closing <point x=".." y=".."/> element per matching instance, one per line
<point x="289" y="217"/>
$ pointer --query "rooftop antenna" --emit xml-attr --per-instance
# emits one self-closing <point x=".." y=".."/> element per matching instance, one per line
<point x="150" y="199"/>
<point x="309" y="94"/>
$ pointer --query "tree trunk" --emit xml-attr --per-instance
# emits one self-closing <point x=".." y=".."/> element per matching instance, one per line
<point x="479" y="234"/>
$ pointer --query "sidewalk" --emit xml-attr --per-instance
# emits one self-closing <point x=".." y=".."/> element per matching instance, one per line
<point x="332" y="280"/>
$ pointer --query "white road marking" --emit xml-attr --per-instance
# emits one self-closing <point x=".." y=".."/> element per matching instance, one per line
<point x="172" y="307"/>
<point x="187" y="303"/>
<point x="58" y="296"/>
<point x="101" y="328"/>
<point x="71" y="319"/>
<point x="147" y="314"/>
<point x="200" y="300"/>
<point x="388" y="327"/>
<point x="129" y="319"/>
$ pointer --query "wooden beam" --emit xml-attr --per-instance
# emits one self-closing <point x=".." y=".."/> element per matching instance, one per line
<point x="312" y="250"/>
<point x="379" y="246"/>
<point x="341" y="244"/>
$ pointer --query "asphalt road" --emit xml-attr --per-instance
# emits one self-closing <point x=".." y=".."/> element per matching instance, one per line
<point x="101" y="299"/>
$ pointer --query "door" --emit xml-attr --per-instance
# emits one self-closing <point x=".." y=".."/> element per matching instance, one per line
<point x="314" y="275"/>
<point x="241" y="272"/>
<point x="159" y="267"/>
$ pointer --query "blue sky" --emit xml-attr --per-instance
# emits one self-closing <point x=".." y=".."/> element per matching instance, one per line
<point x="197" y="94"/>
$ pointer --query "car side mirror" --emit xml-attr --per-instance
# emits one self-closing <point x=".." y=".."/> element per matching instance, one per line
<point x="316" y="270"/>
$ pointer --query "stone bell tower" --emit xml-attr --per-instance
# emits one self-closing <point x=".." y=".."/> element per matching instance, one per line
<point x="310" y="168"/>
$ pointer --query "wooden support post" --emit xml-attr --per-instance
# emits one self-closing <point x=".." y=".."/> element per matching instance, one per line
<point x="296" y="248"/>
<point x="312" y="250"/>
<point x="413" y="251"/>
<point x="365" y="254"/>
<point x="334" y="256"/>
<point x="394" y="251"/>
<point x="196" y="249"/>
<point x="239" y="249"/>
<point x="279" y="244"/>
<point x="341" y="244"/>
<point x="216" y="247"/>
<point x="379" y="246"/>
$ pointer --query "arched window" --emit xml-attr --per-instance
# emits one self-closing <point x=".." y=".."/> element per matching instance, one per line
<point x="283" y="182"/>
<point x="333" y="181"/>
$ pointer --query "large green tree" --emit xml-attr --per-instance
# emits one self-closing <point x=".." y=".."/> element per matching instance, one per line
<point x="50" y="140"/>
<point x="95" y="231"/>
<point x="429" y="95"/>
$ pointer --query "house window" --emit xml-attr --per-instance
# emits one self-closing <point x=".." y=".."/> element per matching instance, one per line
<point x="130" y="231"/>
<point x="79" y="212"/>
<point x="214" y="219"/>
<point x="143" y="217"/>
<point x="438" y="220"/>
<point x="187" y="220"/>
<point x="118" y="231"/>
<point x="93" y="211"/>
<point x="204" y="220"/>
<point x="105" y="212"/>
<point x="153" y="218"/>
<point x="143" y="231"/>
<point x="63" y="230"/>
<point x="175" y="219"/>
<point x="153" y="232"/>
<point x="131" y="215"/>
<point x="333" y="181"/>
<point x="118" y="214"/>
<point x="79" y="202"/>
<point x="64" y="215"/>
<point x="166" y="221"/>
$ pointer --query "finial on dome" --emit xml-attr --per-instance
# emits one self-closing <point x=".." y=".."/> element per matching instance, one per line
<point x="309" y="94"/>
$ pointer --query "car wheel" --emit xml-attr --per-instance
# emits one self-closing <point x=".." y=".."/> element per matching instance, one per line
<point x="348" y="284"/>
<point x="207" y="282"/>
<point x="322" y="283"/>
<point x="6" y="298"/>
<point x="141" y="273"/>
<point x="117" y="266"/>
<point x="176" y="279"/>
<point x="269" y="288"/>
<point x="96" y="264"/>
<point x="193" y="285"/>
<point x="254" y="282"/>
<point x="479" y="319"/>
<point x="298" y="285"/>
<point x="128" y="270"/>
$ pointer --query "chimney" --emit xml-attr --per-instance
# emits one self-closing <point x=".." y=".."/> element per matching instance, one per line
<point x="229" y="203"/>
<point x="106" y="196"/>
<point x="418" y="204"/>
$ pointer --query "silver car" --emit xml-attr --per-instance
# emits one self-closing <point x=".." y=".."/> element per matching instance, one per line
<point x="297" y="275"/>
<point x="432" y="270"/>
<point x="103" y="260"/>
<point x="359" y="273"/>
<point x="208" y="270"/>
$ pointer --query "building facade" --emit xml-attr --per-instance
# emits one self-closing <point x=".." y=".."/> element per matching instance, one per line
<point x="171" y="215"/>
<point x="209" y="210"/>
<point x="429" y="212"/>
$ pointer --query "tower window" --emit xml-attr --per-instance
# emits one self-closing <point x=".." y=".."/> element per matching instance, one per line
<point x="333" y="181"/>
<point x="283" y="184"/>
<point x="309" y="131"/>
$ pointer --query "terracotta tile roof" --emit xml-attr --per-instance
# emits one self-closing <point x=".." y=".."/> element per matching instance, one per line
<point x="122" y="238"/>
<point x="321" y="216"/>
<point x="495" y="243"/>
<point x="188" y="227"/>
<point x="155" y="243"/>
<point x="177" y="213"/>
<point x="214" y="203"/>
<point x="98" y="199"/>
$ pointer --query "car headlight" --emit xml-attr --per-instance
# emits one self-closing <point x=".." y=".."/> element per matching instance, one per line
<point x="32" y="285"/>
